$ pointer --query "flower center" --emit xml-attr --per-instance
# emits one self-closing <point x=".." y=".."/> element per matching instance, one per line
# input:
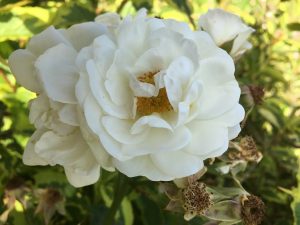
<point x="148" y="105"/>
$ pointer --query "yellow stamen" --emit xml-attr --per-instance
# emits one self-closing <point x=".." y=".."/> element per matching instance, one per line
<point x="149" y="105"/>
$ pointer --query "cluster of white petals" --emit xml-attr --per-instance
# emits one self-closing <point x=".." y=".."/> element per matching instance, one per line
<point x="146" y="96"/>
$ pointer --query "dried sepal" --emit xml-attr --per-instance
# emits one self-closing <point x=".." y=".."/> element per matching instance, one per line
<point x="170" y="190"/>
<point x="245" y="150"/>
<point x="225" y="211"/>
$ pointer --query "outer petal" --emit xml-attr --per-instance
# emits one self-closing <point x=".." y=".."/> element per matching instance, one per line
<point x="232" y="117"/>
<point x="214" y="102"/>
<point x="109" y="19"/>
<point x="218" y="70"/>
<point x="221" y="25"/>
<point x="207" y="137"/>
<point x="56" y="68"/>
<point x="80" y="179"/>
<point x="30" y="157"/>
<point x="21" y="63"/>
<point x="141" y="166"/>
<point x="177" y="164"/>
<point x="83" y="34"/>
<point x="233" y="132"/>
<point x="72" y="152"/>
<point x="241" y="44"/>
<point x="93" y="115"/>
<point x="45" y="40"/>
<point x="159" y="140"/>
<point x="38" y="107"/>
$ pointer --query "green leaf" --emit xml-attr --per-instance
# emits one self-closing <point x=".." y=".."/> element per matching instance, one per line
<point x="23" y="22"/>
<point x="296" y="210"/>
<point x="269" y="116"/>
<point x="71" y="13"/>
<point x="293" y="26"/>
<point x="127" y="212"/>
<point x="142" y="4"/>
<point x="150" y="212"/>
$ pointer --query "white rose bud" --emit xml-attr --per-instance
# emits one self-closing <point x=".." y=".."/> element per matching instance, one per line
<point x="225" y="27"/>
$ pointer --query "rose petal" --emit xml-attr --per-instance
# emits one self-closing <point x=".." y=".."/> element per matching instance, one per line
<point x="216" y="71"/>
<point x="45" y="40"/>
<point x="207" y="137"/>
<point x="159" y="140"/>
<point x="176" y="78"/>
<point x="221" y="25"/>
<point x="214" y="102"/>
<point x="240" y="43"/>
<point x="102" y="97"/>
<point x="83" y="34"/>
<point x="80" y="179"/>
<point x="109" y="19"/>
<point x="177" y="164"/>
<point x="21" y="63"/>
<point x="233" y="132"/>
<point x="232" y="117"/>
<point x="141" y="166"/>
<point x="68" y="114"/>
<point x="30" y="157"/>
<point x="120" y="130"/>
<point x="56" y="68"/>
<point x="147" y="122"/>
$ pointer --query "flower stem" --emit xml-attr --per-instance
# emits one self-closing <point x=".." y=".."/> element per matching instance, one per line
<point x="120" y="190"/>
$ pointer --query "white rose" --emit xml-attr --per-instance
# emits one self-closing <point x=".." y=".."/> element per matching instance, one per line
<point x="160" y="97"/>
<point x="61" y="136"/>
<point x="226" y="27"/>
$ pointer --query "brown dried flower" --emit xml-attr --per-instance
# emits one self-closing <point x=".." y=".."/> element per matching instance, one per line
<point x="246" y="150"/>
<point x="196" y="200"/>
<point x="50" y="201"/>
<point x="254" y="94"/>
<point x="257" y="94"/>
<point x="253" y="210"/>
<point x="15" y="190"/>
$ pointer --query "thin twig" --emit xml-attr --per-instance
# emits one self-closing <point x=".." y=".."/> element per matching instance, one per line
<point x="12" y="86"/>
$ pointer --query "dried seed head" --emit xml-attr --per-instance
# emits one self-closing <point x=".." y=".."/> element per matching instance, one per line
<point x="196" y="199"/>
<point x="253" y="210"/>
<point x="257" y="94"/>
<point x="247" y="151"/>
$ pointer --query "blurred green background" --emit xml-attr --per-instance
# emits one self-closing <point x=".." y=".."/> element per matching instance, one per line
<point x="39" y="195"/>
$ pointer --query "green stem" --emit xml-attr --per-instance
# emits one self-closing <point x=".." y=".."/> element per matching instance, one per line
<point x="120" y="191"/>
